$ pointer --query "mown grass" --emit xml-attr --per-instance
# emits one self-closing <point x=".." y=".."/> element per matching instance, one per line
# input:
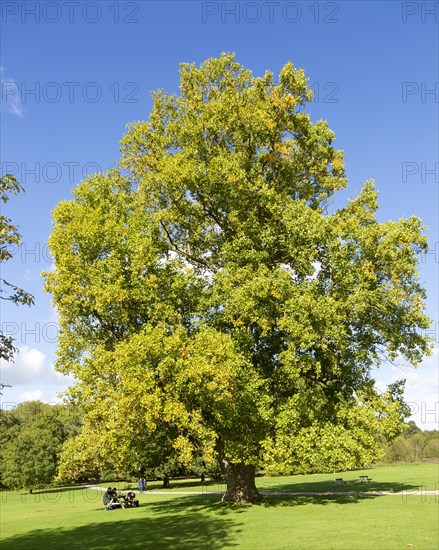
<point x="74" y="517"/>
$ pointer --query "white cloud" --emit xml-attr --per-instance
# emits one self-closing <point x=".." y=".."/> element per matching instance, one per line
<point x="46" y="396"/>
<point x="31" y="367"/>
<point x="36" y="395"/>
<point x="10" y="95"/>
<point x="421" y="388"/>
<point x="32" y="377"/>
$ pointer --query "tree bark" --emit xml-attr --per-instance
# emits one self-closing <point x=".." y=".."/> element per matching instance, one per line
<point x="166" y="483"/>
<point x="240" y="480"/>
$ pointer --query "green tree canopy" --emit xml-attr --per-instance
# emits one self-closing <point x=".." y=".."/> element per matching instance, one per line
<point x="212" y="308"/>
<point x="31" y="438"/>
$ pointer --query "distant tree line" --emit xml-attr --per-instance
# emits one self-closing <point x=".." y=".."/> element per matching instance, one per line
<point x="31" y="439"/>
<point x="414" y="445"/>
<point x="35" y="437"/>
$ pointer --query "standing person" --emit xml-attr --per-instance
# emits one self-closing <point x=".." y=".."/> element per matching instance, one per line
<point x="140" y="485"/>
<point x="144" y="484"/>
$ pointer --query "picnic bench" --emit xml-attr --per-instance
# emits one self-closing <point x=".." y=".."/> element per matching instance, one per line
<point x="339" y="480"/>
<point x="121" y="501"/>
<point x="364" y="479"/>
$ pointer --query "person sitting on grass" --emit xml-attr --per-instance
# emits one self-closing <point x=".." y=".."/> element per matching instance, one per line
<point x="110" y="499"/>
<point x="108" y="496"/>
<point x="130" y="499"/>
<point x="115" y="497"/>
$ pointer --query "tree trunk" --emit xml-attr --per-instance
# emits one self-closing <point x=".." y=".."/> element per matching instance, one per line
<point x="166" y="483"/>
<point x="240" y="480"/>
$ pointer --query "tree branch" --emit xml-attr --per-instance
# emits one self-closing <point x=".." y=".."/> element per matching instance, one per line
<point x="180" y="251"/>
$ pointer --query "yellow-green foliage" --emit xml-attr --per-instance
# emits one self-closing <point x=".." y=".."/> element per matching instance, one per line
<point x="209" y="303"/>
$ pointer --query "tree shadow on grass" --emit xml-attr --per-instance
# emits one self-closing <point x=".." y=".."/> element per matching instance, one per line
<point x="212" y="504"/>
<point x="271" y="501"/>
<point x="192" y="529"/>
<point x="349" y="486"/>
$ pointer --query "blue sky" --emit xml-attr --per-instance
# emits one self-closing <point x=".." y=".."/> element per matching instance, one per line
<point x="73" y="74"/>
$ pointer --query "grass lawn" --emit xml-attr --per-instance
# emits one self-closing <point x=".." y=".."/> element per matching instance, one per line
<point x="75" y="518"/>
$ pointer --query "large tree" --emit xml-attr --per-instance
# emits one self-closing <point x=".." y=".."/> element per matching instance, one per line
<point x="213" y="309"/>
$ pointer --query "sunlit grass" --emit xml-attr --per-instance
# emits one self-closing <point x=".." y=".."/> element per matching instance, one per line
<point x="75" y="518"/>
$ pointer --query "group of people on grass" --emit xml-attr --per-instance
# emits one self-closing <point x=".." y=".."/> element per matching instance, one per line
<point x="112" y="500"/>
